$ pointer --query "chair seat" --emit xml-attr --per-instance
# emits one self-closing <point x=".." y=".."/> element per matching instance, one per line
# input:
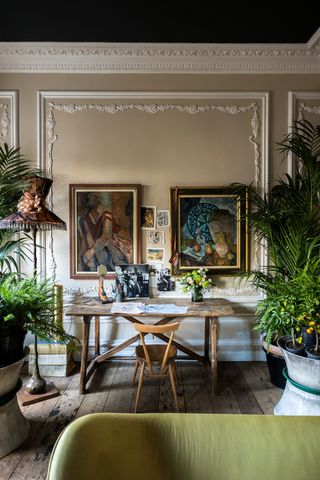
<point x="156" y="352"/>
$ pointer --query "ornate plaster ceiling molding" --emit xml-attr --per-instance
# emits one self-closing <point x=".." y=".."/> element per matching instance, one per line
<point x="161" y="58"/>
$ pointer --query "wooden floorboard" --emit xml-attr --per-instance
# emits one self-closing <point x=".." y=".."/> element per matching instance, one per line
<point x="243" y="387"/>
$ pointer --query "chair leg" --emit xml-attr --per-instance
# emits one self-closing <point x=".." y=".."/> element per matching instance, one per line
<point x="173" y="385"/>
<point x="135" y="372"/>
<point x="139" y="388"/>
<point x="175" y="372"/>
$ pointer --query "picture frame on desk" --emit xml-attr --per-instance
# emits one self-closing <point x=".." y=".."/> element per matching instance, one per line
<point x="133" y="280"/>
<point x="104" y="227"/>
<point x="209" y="229"/>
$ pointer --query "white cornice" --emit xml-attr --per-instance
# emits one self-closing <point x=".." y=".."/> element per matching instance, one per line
<point x="161" y="58"/>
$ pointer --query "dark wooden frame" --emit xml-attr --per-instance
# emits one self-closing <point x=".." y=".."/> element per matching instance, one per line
<point x="241" y="196"/>
<point x="73" y="189"/>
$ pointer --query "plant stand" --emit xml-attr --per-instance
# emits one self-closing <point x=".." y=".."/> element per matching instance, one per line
<point x="298" y="399"/>
<point x="302" y="393"/>
<point x="14" y="427"/>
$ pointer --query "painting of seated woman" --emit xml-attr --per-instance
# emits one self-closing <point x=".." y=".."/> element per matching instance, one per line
<point x="104" y="228"/>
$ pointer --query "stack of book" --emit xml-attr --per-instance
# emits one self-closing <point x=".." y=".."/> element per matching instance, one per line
<point x="55" y="359"/>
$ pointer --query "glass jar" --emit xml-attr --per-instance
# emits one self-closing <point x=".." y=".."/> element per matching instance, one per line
<point x="197" y="295"/>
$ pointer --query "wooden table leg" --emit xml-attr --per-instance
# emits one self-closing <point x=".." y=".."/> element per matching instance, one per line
<point x="84" y="353"/>
<point x="214" y="358"/>
<point x="206" y="339"/>
<point x="97" y="335"/>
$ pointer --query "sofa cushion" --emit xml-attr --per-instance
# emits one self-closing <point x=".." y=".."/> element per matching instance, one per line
<point x="187" y="446"/>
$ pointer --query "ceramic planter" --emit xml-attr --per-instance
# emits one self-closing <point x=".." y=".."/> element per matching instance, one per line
<point x="14" y="427"/>
<point x="302" y="392"/>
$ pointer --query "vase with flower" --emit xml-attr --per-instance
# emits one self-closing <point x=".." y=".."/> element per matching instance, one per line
<point x="197" y="283"/>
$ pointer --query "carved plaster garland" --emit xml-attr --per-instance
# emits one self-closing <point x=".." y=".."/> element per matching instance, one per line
<point x="4" y="123"/>
<point x="307" y="108"/>
<point x="153" y="109"/>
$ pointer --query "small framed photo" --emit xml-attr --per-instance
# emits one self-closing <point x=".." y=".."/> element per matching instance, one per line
<point x="155" y="255"/>
<point x="148" y="218"/>
<point x="165" y="283"/>
<point x="134" y="280"/>
<point x="155" y="237"/>
<point x="163" y="218"/>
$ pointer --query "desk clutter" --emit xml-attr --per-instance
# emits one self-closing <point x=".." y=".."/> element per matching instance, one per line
<point x="139" y="307"/>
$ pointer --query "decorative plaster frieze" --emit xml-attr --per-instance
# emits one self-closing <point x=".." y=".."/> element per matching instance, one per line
<point x="297" y="106"/>
<point x="4" y="123"/>
<point x="157" y="58"/>
<point x="303" y="107"/>
<point x="258" y="136"/>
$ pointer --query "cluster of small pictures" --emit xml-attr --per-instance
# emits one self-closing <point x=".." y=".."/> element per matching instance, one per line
<point x="134" y="280"/>
<point x="151" y="220"/>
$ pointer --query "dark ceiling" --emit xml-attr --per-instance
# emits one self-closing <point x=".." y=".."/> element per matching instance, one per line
<point x="203" y="22"/>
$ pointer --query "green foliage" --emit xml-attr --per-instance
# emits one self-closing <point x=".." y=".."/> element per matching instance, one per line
<point x="287" y="222"/>
<point x="291" y="304"/>
<point x="14" y="172"/>
<point x="197" y="279"/>
<point x="28" y="304"/>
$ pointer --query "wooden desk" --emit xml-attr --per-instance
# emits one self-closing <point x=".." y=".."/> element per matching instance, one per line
<point x="210" y="310"/>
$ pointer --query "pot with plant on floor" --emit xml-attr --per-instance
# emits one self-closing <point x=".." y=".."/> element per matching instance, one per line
<point x="300" y="299"/>
<point x="286" y="223"/>
<point x="26" y="304"/>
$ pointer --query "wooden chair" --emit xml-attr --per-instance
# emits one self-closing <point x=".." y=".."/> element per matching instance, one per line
<point x="148" y="355"/>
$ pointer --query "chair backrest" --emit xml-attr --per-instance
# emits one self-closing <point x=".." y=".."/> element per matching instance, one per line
<point x="144" y="329"/>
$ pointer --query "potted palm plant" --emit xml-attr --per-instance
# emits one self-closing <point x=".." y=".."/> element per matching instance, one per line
<point x="287" y="222"/>
<point x="14" y="173"/>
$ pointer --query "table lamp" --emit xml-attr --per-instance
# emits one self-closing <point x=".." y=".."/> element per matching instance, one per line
<point x="33" y="215"/>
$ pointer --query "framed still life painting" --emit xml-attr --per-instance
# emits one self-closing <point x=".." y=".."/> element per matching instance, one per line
<point x="209" y="229"/>
<point x="104" y="228"/>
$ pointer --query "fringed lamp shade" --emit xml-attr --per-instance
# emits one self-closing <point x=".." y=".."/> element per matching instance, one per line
<point x="32" y="212"/>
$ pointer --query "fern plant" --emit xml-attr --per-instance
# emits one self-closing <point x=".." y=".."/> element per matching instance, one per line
<point x="28" y="304"/>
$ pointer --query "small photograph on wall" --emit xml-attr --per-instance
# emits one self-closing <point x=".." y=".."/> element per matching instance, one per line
<point x="155" y="237"/>
<point x="209" y="229"/>
<point x="134" y="280"/>
<point x="163" y="218"/>
<point x="148" y="217"/>
<point x="155" y="255"/>
<point x="104" y="228"/>
<point x="165" y="283"/>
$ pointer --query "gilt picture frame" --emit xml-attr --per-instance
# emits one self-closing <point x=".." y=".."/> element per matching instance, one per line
<point x="104" y="228"/>
<point x="209" y="229"/>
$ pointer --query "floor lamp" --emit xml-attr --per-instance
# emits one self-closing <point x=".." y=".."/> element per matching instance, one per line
<point x="33" y="216"/>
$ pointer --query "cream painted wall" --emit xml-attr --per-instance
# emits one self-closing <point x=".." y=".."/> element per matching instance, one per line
<point x="158" y="151"/>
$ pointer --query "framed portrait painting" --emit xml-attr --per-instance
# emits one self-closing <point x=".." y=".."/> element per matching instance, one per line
<point x="104" y="228"/>
<point x="209" y="229"/>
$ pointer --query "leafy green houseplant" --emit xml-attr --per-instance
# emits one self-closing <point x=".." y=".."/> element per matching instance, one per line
<point x="26" y="304"/>
<point x="287" y="222"/>
<point x="197" y="283"/>
<point x="292" y="305"/>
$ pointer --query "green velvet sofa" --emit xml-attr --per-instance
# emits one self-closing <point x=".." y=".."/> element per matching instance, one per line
<point x="107" y="446"/>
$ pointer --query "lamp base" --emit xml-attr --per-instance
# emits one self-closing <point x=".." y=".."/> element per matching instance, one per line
<point x="26" y="398"/>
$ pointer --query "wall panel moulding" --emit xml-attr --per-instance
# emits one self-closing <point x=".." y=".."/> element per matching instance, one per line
<point x="161" y="58"/>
